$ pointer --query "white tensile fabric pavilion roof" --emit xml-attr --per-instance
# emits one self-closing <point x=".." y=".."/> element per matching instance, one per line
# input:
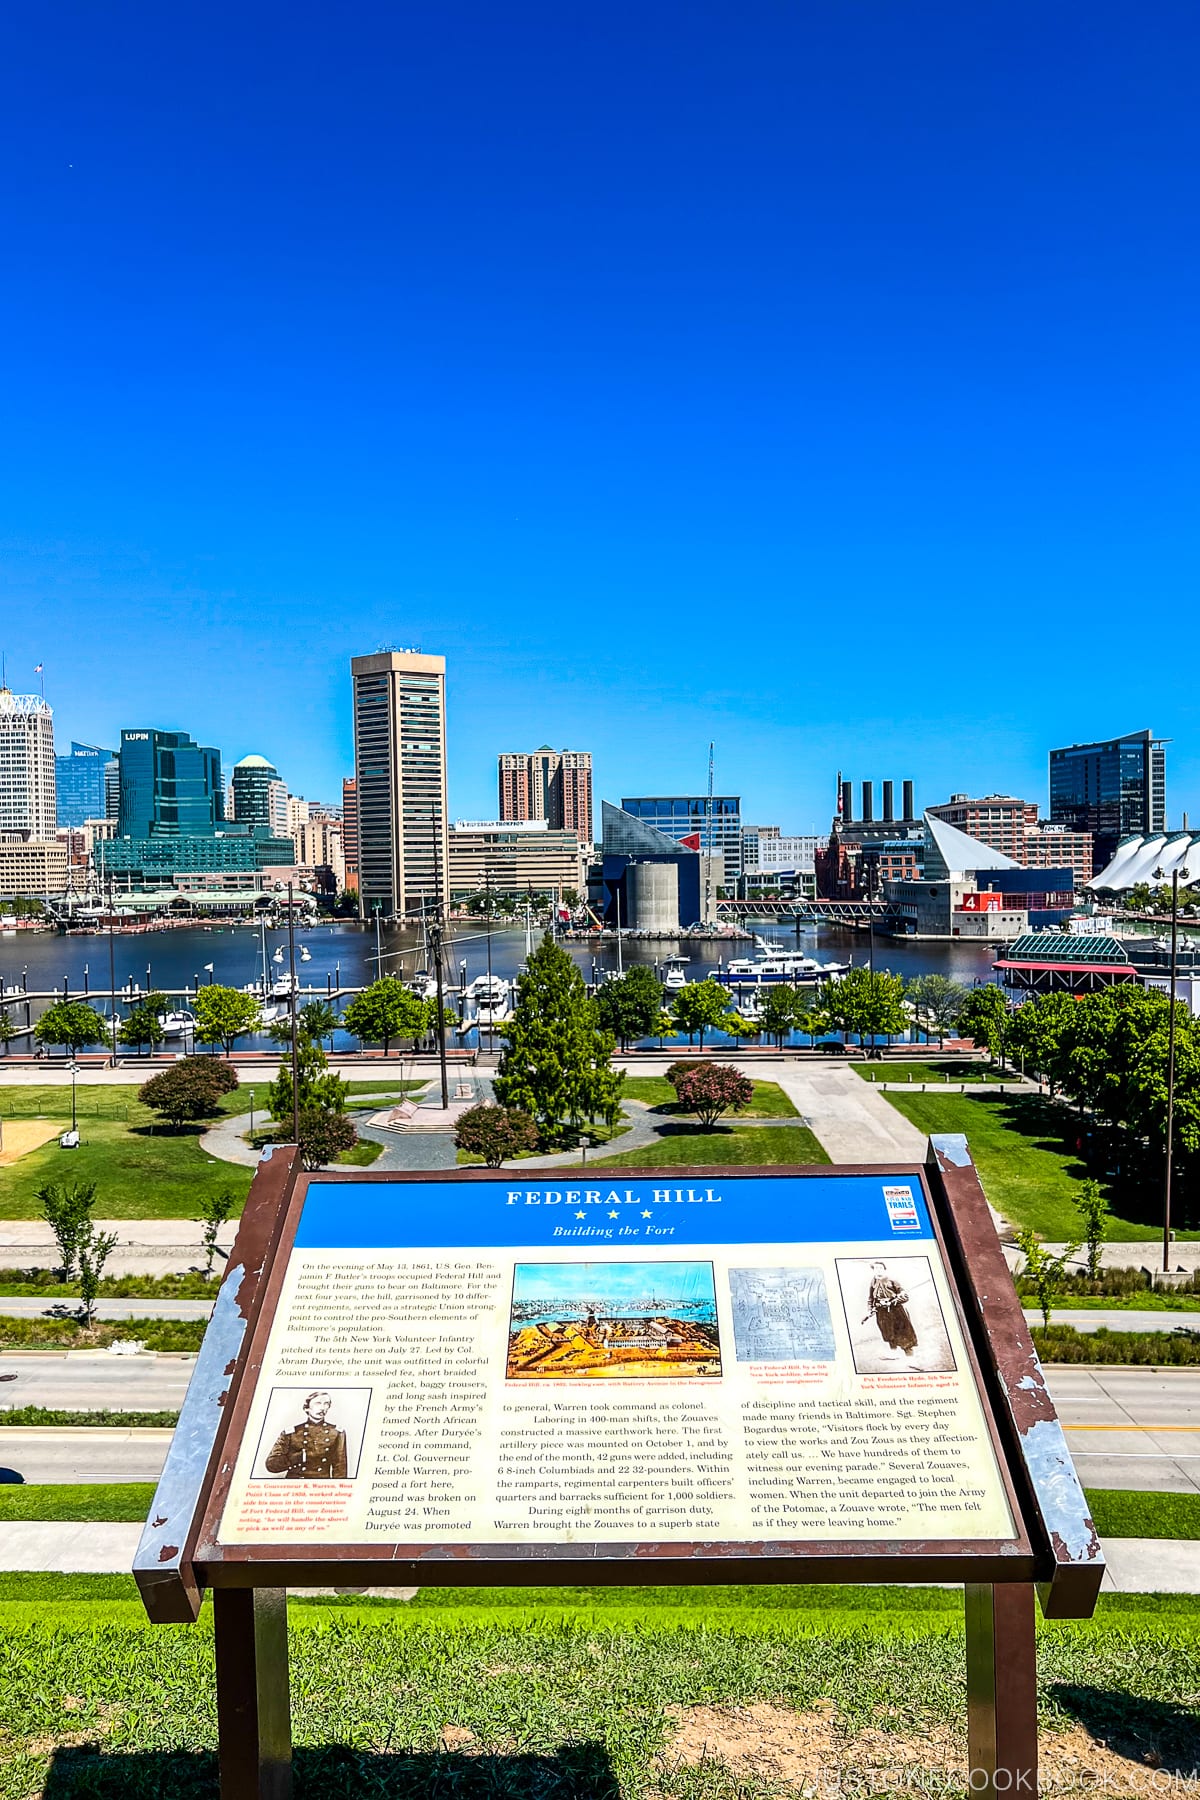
<point x="1138" y="858"/>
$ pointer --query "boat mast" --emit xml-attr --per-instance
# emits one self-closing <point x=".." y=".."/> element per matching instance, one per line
<point x="708" y="815"/>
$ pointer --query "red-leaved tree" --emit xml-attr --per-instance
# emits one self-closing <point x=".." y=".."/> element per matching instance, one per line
<point x="710" y="1089"/>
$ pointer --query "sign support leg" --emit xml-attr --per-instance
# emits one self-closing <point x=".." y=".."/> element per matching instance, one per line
<point x="1002" y="1689"/>
<point x="253" y="1703"/>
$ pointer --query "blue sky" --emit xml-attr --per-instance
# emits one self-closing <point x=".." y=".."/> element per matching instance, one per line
<point x="819" y="379"/>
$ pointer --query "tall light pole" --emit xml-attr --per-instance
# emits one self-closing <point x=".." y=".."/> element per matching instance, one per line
<point x="292" y="1012"/>
<point x="112" y="979"/>
<point x="1159" y="876"/>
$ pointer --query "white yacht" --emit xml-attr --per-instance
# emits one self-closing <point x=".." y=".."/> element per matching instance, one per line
<point x="178" y="1024"/>
<point x="284" y="986"/>
<point x="673" y="977"/>
<point x="775" y="966"/>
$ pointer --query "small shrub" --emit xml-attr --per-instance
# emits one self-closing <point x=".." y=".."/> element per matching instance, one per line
<point x="495" y="1133"/>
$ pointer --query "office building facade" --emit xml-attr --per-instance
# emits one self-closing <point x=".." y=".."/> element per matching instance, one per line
<point x="400" y="772"/>
<point x="350" y="832"/>
<point x="79" y="780"/>
<point x="31" y="868"/>
<point x="554" y="785"/>
<point x="170" y="786"/>
<point x="1114" y="789"/>
<point x="28" y="795"/>
<point x="514" y="857"/>
<point x="259" y="796"/>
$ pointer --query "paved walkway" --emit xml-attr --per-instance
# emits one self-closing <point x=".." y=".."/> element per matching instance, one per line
<point x="145" y="1246"/>
<point x="1135" y="1565"/>
<point x="850" y="1120"/>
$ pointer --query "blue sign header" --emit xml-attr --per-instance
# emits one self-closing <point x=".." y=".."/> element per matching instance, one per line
<point x="595" y="1208"/>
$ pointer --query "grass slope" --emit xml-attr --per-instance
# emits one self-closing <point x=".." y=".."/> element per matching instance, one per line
<point x="953" y="1069"/>
<point x="114" y="1502"/>
<point x="762" y="1144"/>
<point x="566" y="1696"/>
<point x="49" y="1334"/>
<point x="1027" y="1172"/>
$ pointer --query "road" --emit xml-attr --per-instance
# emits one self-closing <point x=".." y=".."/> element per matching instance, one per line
<point x="1127" y="1428"/>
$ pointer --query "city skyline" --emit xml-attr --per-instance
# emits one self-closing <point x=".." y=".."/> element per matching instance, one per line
<point x="784" y="418"/>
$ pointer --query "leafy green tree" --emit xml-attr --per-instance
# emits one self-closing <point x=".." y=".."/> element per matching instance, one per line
<point x="1047" y="1273"/>
<point x="188" y="1090"/>
<point x="92" y="1251"/>
<point x="323" y="1136"/>
<point x="383" y="1011"/>
<point x="67" y="1209"/>
<point x="985" y="1017"/>
<point x="710" y="1089"/>
<point x="1094" y="1213"/>
<point x="699" y="1006"/>
<point x="215" y="1211"/>
<point x="319" y="1089"/>
<point x="224" y="1014"/>
<point x="143" y="1026"/>
<point x="629" y="1008"/>
<point x="8" y="1030"/>
<point x="71" y="1023"/>
<point x="865" y="1004"/>
<point x="494" y="1134"/>
<point x="1035" y="1033"/>
<point x="556" y="1064"/>
<point x="937" y="1002"/>
<point x="1138" y="898"/>
<point x="318" y="1020"/>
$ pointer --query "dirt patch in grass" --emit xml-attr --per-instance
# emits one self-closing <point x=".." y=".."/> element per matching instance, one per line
<point x="811" y="1751"/>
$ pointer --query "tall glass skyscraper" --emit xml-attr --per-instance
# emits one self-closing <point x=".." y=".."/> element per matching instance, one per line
<point x="79" y="779"/>
<point x="170" y="786"/>
<point x="1116" y="789"/>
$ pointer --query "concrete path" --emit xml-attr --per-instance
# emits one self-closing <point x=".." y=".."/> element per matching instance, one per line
<point x="1135" y="1565"/>
<point x="81" y="1453"/>
<point x="850" y="1120"/>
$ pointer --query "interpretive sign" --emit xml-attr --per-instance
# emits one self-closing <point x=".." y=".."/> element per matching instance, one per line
<point x="730" y="1361"/>
<point x="690" y="1375"/>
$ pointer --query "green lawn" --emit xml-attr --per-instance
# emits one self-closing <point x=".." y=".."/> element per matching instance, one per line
<point x="1027" y="1174"/>
<point x="769" y="1102"/>
<point x="1118" y="1513"/>
<point x="952" y="1069"/>
<point x="566" y="1694"/>
<point x="55" y="1415"/>
<point x="762" y="1144"/>
<point x="122" y="1502"/>
<point x="46" y="1334"/>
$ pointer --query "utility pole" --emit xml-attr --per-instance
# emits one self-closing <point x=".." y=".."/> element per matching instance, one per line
<point x="487" y="889"/>
<point x="292" y="1012"/>
<point x="112" y="979"/>
<point x="1175" y="875"/>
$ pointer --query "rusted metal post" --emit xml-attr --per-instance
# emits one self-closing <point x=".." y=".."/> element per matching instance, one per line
<point x="1002" y="1742"/>
<point x="253" y="1704"/>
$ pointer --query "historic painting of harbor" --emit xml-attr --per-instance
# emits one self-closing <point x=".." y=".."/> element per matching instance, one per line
<point x="781" y="1315"/>
<point x="636" y="1319"/>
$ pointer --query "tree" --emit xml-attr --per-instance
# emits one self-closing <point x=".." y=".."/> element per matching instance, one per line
<point x="67" y="1209"/>
<point x="92" y="1252"/>
<point x="937" y="1002"/>
<point x="323" y="1136"/>
<point x="383" y="1011"/>
<point x="190" y="1089"/>
<point x="1138" y="898"/>
<point x="699" y="1005"/>
<point x="1035" y="1033"/>
<point x="556" y="1064"/>
<point x="1047" y="1273"/>
<point x="215" y="1211"/>
<point x="984" y="1017"/>
<point x="494" y="1133"/>
<point x="1092" y="1207"/>
<point x="143" y="1027"/>
<point x="8" y="1030"/>
<point x="869" y="1005"/>
<point x="224" y="1014"/>
<point x="629" y="1008"/>
<point x="709" y="1089"/>
<point x="317" y="1019"/>
<point x="71" y="1023"/>
<point x="784" y="1008"/>
<point x="317" y="1088"/>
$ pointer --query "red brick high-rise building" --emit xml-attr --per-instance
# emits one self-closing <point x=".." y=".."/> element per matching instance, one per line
<point x="555" y="785"/>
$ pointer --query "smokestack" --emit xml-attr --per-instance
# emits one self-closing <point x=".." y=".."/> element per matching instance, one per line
<point x="868" y="811"/>
<point x="847" y="802"/>
<point x="909" y="812"/>
<point x="889" y="804"/>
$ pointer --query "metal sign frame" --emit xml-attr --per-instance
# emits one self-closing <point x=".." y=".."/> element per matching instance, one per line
<point x="1055" y="1550"/>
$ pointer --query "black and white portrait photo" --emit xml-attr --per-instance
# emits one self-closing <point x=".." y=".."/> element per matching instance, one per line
<point x="312" y="1434"/>
<point x="894" y="1315"/>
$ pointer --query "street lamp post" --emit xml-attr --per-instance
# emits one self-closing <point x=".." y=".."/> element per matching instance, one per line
<point x="74" y="1072"/>
<point x="1158" y="876"/>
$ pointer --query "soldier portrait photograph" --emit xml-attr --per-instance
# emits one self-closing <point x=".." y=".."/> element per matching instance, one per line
<point x="312" y="1434"/>
<point x="894" y="1315"/>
